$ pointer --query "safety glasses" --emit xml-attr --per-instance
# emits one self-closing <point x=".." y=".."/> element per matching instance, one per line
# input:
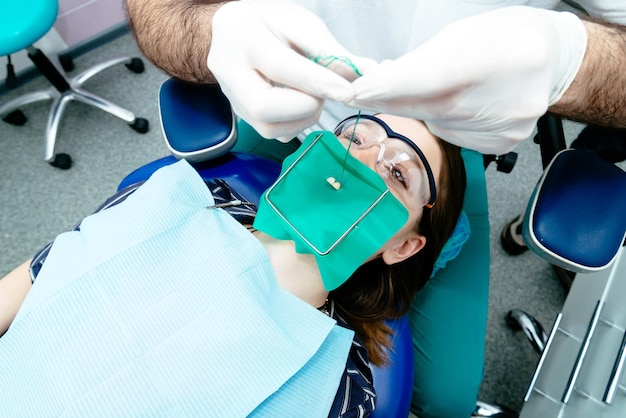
<point x="400" y="162"/>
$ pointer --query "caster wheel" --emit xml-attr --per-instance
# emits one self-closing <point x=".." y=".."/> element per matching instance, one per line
<point x="17" y="118"/>
<point x="140" y="125"/>
<point x="136" y="65"/>
<point x="506" y="162"/>
<point x="67" y="62"/>
<point x="62" y="161"/>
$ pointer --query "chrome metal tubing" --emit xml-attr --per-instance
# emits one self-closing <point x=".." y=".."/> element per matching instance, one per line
<point x="616" y="374"/>
<point x="544" y="353"/>
<point x="569" y="389"/>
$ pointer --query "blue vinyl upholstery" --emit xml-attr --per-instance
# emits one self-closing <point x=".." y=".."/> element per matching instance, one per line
<point x="577" y="214"/>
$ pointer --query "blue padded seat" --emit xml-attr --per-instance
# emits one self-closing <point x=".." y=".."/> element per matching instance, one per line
<point x="576" y="217"/>
<point x="24" y="22"/>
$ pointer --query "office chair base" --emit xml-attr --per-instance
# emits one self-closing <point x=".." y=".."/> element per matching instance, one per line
<point x="61" y="97"/>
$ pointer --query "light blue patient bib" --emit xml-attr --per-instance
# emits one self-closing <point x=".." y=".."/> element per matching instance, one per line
<point x="161" y="307"/>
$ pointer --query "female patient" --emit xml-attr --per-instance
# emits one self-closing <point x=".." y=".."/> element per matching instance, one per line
<point x="357" y="285"/>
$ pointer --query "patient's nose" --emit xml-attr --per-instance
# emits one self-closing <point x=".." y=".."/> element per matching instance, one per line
<point x="367" y="155"/>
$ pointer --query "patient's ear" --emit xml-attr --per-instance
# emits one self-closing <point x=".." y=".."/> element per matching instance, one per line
<point x="404" y="249"/>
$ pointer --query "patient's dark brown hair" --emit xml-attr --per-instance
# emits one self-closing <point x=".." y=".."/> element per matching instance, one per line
<point x="377" y="291"/>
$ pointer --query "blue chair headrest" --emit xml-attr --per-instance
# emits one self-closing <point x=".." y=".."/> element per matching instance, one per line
<point x="197" y="120"/>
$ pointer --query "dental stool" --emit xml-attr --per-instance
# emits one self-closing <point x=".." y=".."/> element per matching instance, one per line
<point x="199" y="125"/>
<point x="576" y="220"/>
<point x="22" y="23"/>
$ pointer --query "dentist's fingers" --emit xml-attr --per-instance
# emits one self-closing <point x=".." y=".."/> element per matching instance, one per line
<point x="277" y="63"/>
<point x="290" y="111"/>
<point x="481" y="82"/>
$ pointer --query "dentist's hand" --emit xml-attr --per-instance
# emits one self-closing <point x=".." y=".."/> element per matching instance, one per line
<point x="481" y="82"/>
<point x="277" y="63"/>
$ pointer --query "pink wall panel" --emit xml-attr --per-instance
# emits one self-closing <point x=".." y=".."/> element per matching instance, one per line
<point x="81" y="20"/>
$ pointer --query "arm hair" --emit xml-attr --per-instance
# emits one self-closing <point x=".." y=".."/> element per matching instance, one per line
<point x="598" y="93"/>
<point x="175" y="35"/>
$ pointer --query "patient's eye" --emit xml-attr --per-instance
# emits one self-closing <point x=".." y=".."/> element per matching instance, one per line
<point x="398" y="173"/>
<point x="355" y="135"/>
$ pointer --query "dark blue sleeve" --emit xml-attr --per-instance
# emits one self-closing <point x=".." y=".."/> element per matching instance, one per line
<point x="355" y="395"/>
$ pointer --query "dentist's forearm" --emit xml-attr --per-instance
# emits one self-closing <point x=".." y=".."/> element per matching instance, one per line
<point x="598" y="93"/>
<point x="175" y="35"/>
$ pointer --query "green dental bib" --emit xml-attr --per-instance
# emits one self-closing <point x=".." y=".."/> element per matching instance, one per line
<point x="341" y="225"/>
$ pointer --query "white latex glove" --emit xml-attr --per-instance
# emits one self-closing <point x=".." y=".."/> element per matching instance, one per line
<point x="482" y="82"/>
<point x="269" y="57"/>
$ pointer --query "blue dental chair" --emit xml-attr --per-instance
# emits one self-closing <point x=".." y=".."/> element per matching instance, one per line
<point x="576" y="221"/>
<point x="22" y="23"/>
<point x="205" y="137"/>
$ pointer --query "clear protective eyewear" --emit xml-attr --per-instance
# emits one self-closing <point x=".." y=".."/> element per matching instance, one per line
<point x="400" y="162"/>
